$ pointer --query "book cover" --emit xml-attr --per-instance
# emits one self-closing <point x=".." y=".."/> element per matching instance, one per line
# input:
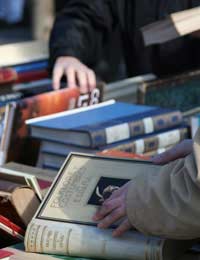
<point x="23" y="52"/>
<point x="138" y="145"/>
<point x="177" y="92"/>
<point x="40" y="105"/>
<point x="10" y="233"/>
<point x="65" y="215"/>
<point x="174" y="26"/>
<point x="104" y="124"/>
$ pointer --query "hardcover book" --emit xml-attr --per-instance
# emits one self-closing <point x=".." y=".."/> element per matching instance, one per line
<point x="44" y="104"/>
<point x="10" y="233"/>
<point x="103" y="124"/>
<point x="63" y="224"/>
<point x="177" y="92"/>
<point x="175" y="25"/>
<point x="23" y="52"/>
<point x="139" y="145"/>
<point x="20" y="196"/>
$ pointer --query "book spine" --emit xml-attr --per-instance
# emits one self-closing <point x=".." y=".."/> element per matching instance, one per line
<point x="134" y="128"/>
<point x="52" y="237"/>
<point x="144" y="145"/>
<point x="158" y="151"/>
<point x="31" y="75"/>
<point x="7" y="76"/>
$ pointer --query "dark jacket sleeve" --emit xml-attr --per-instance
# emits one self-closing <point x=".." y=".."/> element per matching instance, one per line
<point x="81" y="29"/>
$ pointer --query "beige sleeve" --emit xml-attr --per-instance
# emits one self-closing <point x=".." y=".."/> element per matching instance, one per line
<point x="167" y="202"/>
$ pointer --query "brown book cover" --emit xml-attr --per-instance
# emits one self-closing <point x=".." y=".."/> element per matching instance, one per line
<point x="41" y="105"/>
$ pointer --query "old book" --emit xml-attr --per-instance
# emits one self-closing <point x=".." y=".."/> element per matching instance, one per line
<point x="174" y="26"/>
<point x="23" y="178"/>
<point x="35" y="106"/>
<point x="138" y="145"/>
<point x="154" y="141"/>
<point x="103" y="124"/>
<point x="10" y="233"/>
<point x="63" y="224"/>
<point x="23" y="52"/>
<point x="20" y="196"/>
<point x="178" y="92"/>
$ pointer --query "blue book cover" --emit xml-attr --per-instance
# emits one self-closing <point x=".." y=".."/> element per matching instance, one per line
<point x="101" y="124"/>
<point x="39" y="65"/>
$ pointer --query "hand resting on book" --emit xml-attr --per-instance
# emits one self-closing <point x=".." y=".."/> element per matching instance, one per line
<point x="114" y="209"/>
<point x="76" y="72"/>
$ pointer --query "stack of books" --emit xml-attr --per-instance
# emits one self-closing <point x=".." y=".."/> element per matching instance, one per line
<point x="106" y="126"/>
<point x="26" y="92"/>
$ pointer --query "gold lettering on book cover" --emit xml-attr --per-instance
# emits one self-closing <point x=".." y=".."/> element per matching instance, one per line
<point x="74" y="181"/>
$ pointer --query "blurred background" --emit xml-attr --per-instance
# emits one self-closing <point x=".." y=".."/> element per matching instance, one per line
<point x="25" y="20"/>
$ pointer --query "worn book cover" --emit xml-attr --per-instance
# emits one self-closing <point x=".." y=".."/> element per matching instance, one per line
<point x="178" y="92"/>
<point x="41" y="105"/>
<point x="63" y="224"/>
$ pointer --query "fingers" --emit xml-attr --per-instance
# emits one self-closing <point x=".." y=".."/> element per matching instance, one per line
<point x="71" y="77"/>
<point x="57" y="75"/>
<point x="122" y="228"/>
<point x="82" y="79"/>
<point x="76" y="72"/>
<point x="105" y="209"/>
<point x="111" y="218"/>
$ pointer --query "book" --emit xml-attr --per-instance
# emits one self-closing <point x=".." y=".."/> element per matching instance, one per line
<point x="158" y="151"/>
<point x="7" y="75"/>
<point x="157" y="140"/>
<point x="103" y="124"/>
<point x="67" y="209"/>
<point x="20" y="196"/>
<point x="175" y="92"/>
<point x="139" y="145"/>
<point x="43" y="104"/>
<point x="23" y="52"/>
<point x="10" y="233"/>
<point x="174" y="26"/>
<point x="22" y="178"/>
<point x="17" y="252"/>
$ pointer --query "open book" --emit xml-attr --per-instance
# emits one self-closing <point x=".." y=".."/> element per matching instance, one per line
<point x="63" y="223"/>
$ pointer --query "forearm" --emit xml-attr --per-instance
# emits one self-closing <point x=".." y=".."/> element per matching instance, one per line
<point x="166" y="203"/>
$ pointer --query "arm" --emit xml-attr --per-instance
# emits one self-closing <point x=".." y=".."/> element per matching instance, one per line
<point x="164" y="202"/>
<point x="178" y="151"/>
<point x="77" y="39"/>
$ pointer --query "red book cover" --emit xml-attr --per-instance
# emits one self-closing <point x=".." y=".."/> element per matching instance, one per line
<point x="5" y="253"/>
<point x="115" y="153"/>
<point x="7" y="76"/>
<point x="31" y="76"/>
<point x="10" y="233"/>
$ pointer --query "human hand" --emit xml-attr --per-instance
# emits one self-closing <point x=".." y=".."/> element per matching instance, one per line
<point x="76" y="72"/>
<point x="114" y="209"/>
<point x="178" y="151"/>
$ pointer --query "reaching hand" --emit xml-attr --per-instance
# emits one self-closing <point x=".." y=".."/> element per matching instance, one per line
<point x="114" y="209"/>
<point x="178" y="151"/>
<point x="76" y="72"/>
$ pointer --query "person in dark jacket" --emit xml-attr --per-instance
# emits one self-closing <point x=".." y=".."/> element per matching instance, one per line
<point x="81" y="31"/>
